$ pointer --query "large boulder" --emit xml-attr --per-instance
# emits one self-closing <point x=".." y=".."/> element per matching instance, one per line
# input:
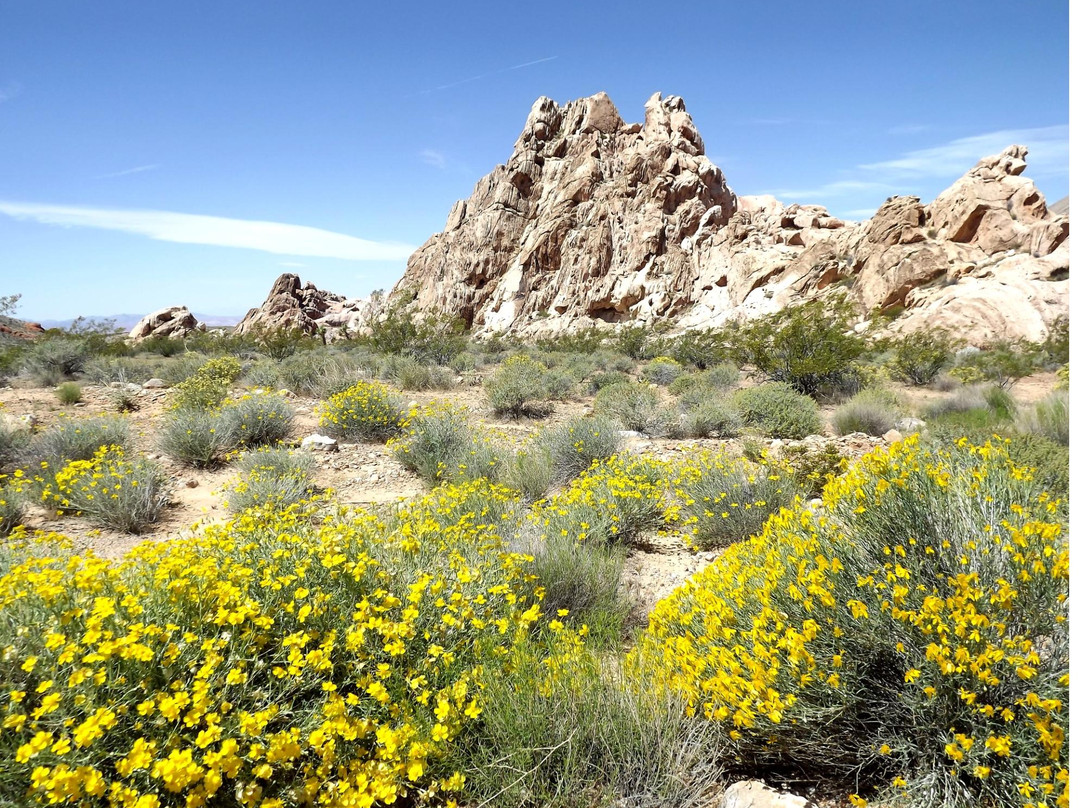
<point x="171" y="322"/>
<point x="292" y="305"/>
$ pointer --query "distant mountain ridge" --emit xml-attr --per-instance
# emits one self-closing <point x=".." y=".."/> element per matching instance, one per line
<point x="125" y="322"/>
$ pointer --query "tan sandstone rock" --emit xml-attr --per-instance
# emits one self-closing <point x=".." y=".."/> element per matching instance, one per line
<point x="596" y="221"/>
<point x="172" y="322"/>
<point x="295" y="305"/>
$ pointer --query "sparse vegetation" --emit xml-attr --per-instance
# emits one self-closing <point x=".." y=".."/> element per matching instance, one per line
<point x="873" y="412"/>
<point x="517" y="387"/>
<point x="69" y="393"/>
<point x="636" y="407"/>
<point x="778" y="410"/>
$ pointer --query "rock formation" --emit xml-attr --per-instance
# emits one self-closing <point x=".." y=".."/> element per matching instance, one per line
<point x="291" y="304"/>
<point x="173" y="322"/>
<point x="594" y="220"/>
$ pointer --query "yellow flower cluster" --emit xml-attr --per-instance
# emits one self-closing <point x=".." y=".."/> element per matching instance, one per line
<point x="931" y="584"/>
<point x="14" y="488"/>
<point x="365" y="411"/>
<point x="311" y="661"/>
<point x="207" y="387"/>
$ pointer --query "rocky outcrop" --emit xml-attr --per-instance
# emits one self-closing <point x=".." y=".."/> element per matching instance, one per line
<point x="595" y="220"/>
<point x="173" y="322"/>
<point x="295" y="305"/>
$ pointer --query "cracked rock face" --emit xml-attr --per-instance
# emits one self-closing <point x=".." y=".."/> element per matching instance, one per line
<point x="172" y="322"/>
<point x="593" y="220"/>
<point x="295" y="305"/>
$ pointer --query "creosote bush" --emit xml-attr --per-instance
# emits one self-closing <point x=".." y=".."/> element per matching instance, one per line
<point x="366" y="411"/>
<point x="919" y="357"/>
<point x="778" y="410"/>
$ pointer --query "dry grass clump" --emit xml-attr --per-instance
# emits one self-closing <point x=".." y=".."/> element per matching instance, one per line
<point x="873" y="412"/>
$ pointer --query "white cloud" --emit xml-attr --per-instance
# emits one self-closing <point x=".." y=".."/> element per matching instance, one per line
<point x="187" y="228"/>
<point x="294" y="264"/>
<point x="433" y="158"/>
<point x="1048" y="144"/>
<point x="830" y="190"/>
<point x="126" y="171"/>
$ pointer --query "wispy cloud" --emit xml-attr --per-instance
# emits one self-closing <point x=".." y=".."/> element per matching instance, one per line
<point x="187" y="228"/>
<point x="480" y="76"/>
<point x="433" y="158"/>
<point x="293" y="264"/>
<point x="831" y="190"/>
<point x="9" y="91"/>
<point x="126" y="171"/>
<point x="1048" y="144"/>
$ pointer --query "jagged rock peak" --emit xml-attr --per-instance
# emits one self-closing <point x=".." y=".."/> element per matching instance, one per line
<point x="295" y="305"/>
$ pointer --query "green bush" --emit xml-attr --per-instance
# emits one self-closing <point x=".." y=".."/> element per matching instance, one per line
<point x="394" y="330"/>
<point x="573" y="446"/>
<point x="1049" y="418"/>
<point x="1056" y="345"/>
<point x="1003" y="364"/>
<point x="193" y="437"/>
<point x="704" y="348"/>
<point x="438" y="444"/>
<point x="1048" y="458"/>
<point x="662" y="370"/>
<point x="718" y="419"/>
<point x="13" y="497"/>
<point x="163" y="346"/>
<point x="873" y="412"/>
<point x="367" y="411"/>
<point x="810" y="467"/>
<point x="605" y="379"/>
<point x="207" y="387"/>
<point x="919" y="357"/>
<point x="558" y="384"/>
<point x="517" y="387"/>
<point x="256" y="420"/>
<point x="271" y="478"/>
<point x="77" y="439"/>
<point x="111" y="490"/>
<point x="778" y="410"/>
<point x="69" y="393"/>
<point x="636" y="407"/>
<point x="14" y="440"/>
<point x="318" y="373"/>
<point x="412" y="374"/>
<point x="53" y="359"/>
<point x="529" y="471"/>
<point x="809" y="347"/>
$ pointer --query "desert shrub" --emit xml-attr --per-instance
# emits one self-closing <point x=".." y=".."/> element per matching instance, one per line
<point x="111" y="490"/>
<point x="558" y="384"/>
<point x="565" y="728"/>
<point x="13" y="442"/>
<point x="256" y="420"/>
<point x="909" y="634"/>
<point x="77" y="439"/>
<point x="51" y="360"/>
<point x="123" y="399"/>
<point x="333" y="655"/>
<point x="180" y="368"/>
<point x="724" y="499"/>
<point x="605" y="379"/>
<point x="809" y="347"/>
<point x="873" y="412"/>
<point x="634" y="406"/>
<point x="810" y="467"/>
<point x="1003" y="364"/>
<point x="1049" y="418"/>
<point x="394" y="330"/>
<point x="1062" y="375"/>
<point x="662" y="370"/>
<point x="69" y="393"/>
<point x="529" y="471"/>
<point x="703" y="348"/>
<point x="193" y="437"/>
<point x="104" y="370"/>
<point x="263" y="374"/>
<point x="617" y="500"/>
<point x="963" y="399"/>
<point x="712" y="420"/>
<point x="630" y="341"/>
<point x="162" y="346"/>
<point x="517" y="387"/>
<point x="14" y="493"/>
<point x="207" y="387"/>
<point x="412" y="374"/>
<point x="1048" y="460"/>
<point x="778" y="410"/>
<point x="1056" y="345"/>
<point x="367" y="411"/>
<point x="583" y="341"/>
<point x="919" y="357"/>
<point x="272" y="478"/>
<point x="318" y="373"/>
<point x="438" y="444"/>
<point x="280" y="343"/>
<point x="573" y="446"/>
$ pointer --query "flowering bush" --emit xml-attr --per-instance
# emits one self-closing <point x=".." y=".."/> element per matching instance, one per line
<point x="110" y="489"/>
<point x="912" y="630"/>
<point x="274" y="664"/>
<point x="366" y="411"/>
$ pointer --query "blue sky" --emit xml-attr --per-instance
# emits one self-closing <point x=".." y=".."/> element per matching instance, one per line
<point x="147" y="145"/>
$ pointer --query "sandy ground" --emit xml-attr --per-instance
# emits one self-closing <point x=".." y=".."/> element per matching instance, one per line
<point x="366" y="474"/>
